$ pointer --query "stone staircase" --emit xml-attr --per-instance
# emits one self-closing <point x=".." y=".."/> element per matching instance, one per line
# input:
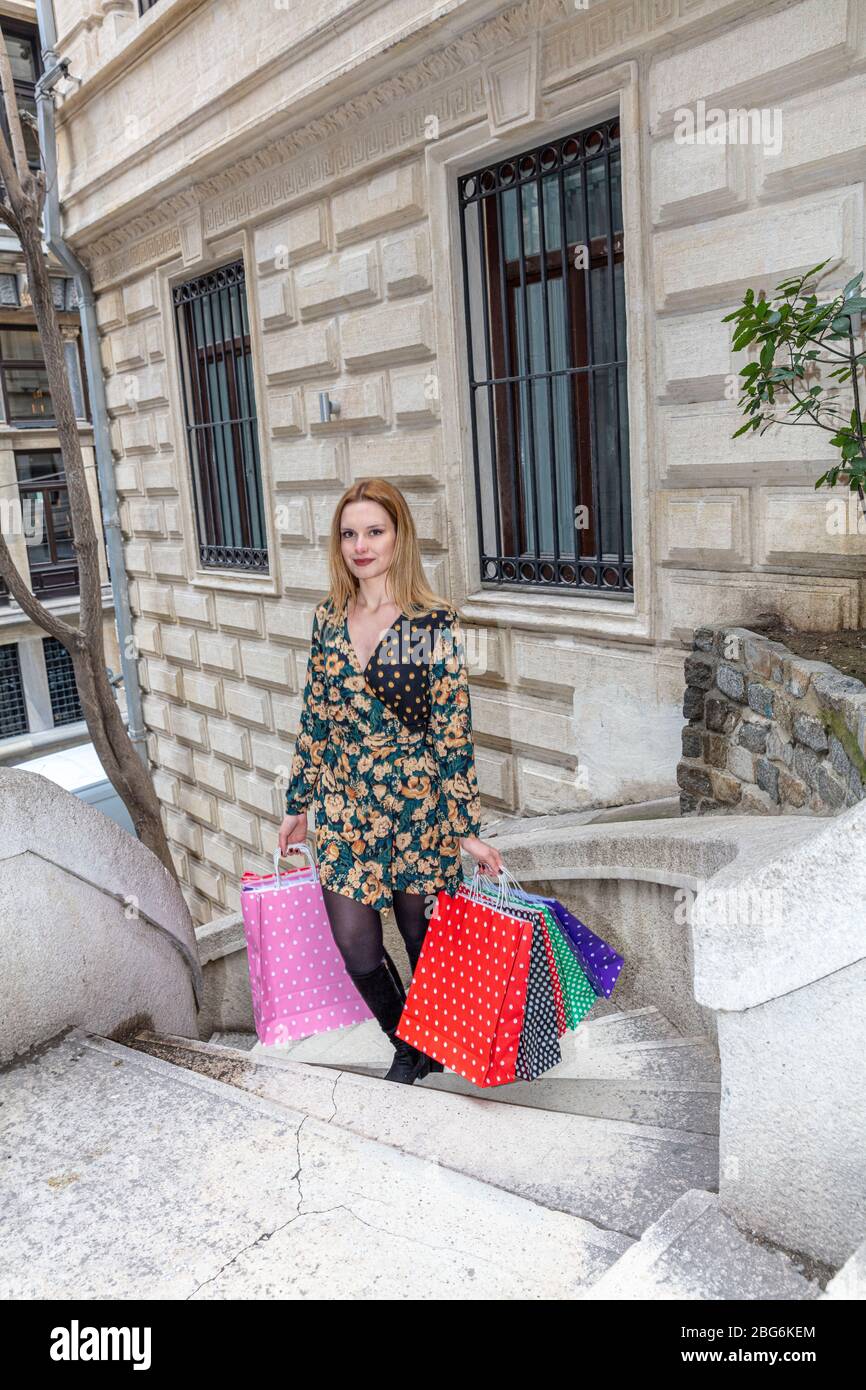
<point x="224" y="1169"/>
<point x="621" y="1135"/>
<point x="621" y="1138"/>
<point x="629" y="1066"/>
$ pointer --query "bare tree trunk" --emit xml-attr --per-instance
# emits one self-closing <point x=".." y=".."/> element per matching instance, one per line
<point x="21" y="209"/>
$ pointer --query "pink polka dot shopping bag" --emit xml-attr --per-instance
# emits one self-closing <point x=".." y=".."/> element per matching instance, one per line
<point x="298" y="979"/>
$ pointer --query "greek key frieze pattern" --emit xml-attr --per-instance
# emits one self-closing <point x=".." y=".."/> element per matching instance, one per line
<point x="447" y="85"/>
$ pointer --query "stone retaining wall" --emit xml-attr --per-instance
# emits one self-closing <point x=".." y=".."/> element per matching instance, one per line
<point x="768" y="731"/>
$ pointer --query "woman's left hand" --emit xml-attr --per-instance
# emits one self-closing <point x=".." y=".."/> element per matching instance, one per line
<point x="486" y="856"/>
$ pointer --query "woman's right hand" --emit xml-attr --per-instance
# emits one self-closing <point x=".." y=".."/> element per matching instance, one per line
<point x="293" y="831"/>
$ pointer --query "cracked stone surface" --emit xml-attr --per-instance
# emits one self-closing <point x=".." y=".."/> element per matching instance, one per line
<point x="124" y="1176"/>
<point x="619" y="1175"/>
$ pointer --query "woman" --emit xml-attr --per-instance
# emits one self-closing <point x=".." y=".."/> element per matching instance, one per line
<point x="385" y="743"/>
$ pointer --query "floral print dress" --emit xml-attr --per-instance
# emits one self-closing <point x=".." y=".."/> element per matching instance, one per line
<point x="387" y="752"/>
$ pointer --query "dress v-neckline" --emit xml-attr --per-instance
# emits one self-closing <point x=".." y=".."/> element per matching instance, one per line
<point x="351" y="645"/>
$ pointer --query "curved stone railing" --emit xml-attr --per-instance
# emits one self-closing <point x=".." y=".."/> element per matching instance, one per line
<point x="93" y="930"/>
<point x="634" y="884"/>
<point x="753" y="930"/>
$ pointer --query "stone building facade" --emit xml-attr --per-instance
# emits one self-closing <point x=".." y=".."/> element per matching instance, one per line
<point x="323" y="150"/>
<point x="39" y="707"/>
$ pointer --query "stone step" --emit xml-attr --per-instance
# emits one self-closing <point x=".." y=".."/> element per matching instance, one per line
<point x="693" y="1106"/>
<point x="694" y="1251"/>
<point x="629" y="1025"/>
<point x="375" y="1051"/>
<point x="849" y="1282"/>
<point x="619" y="1175"/>
<point x="245" y="1041"/>
<point x="618" y="1027"/>
<point x="134" y="1178"/>
<point x="673" y="1060"/>
<point x="678" y="1104"/>
<point x="684" y="1061"/>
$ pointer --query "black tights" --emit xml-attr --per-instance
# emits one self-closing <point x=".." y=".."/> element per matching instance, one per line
<point x="357" y="928"/>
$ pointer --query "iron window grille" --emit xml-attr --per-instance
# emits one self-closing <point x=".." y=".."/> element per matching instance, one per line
<point x="13" y="707"/>
<point x="42" y="482"/>
<point x="220" y="410"/>
<point x="65" y="704"/>
<point x="546" y="342"/>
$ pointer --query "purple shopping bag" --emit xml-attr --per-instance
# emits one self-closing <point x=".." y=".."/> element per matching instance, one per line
<point x="298" y="979"/>
<point x="601" y="963"/>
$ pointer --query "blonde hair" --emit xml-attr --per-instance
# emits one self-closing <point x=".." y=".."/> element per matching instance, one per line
<point x="406" y="580"/>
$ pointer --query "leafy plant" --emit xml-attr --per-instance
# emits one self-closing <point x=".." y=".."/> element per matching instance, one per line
<point x="799" y="336"/>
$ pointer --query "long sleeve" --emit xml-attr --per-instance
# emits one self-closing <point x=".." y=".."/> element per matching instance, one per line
<point x="451" y="729"/>
<point x="313" y="730"/>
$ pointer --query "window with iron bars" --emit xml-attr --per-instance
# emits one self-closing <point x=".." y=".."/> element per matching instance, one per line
<point x="13" y="707"/>
<point x="62" y="687"/>
<point x="219" y="401"/>
<point x="544" y="298"/>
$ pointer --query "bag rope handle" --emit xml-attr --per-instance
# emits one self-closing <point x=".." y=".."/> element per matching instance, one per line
<point x="303" y="849"/>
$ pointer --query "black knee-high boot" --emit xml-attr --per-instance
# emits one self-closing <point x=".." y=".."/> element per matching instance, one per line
<point x="413" y="951"/>
<point x="383" y="993"/>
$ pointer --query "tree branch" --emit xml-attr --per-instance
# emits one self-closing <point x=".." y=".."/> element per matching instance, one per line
<point x="36" y="611"/>
<point x="8" y="216"/>
<point x="13" y="120"/>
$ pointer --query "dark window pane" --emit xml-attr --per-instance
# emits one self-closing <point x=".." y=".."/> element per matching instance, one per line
<point x="50" y="549"/>
<point x="44" y="466"/>
<point x="31" y="139"/>
<point x="22" y="57"/>
<point x="616" y="191"/>
<point x="20" y="344"/>
<point x="65" y="704"/>
<point x="23" y="51"/>
<point x="13" y="710"/>
<point x="27" y="394"/>
<point x="33" y="504"/>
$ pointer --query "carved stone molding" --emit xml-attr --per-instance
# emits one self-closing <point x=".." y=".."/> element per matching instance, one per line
<point x="512" y="88"/>
<point x="130" y="259"/>
<point x="454" y="85"/>
<point x="191" y="233"/>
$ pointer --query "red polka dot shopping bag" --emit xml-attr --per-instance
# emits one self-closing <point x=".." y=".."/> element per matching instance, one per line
<point x="538" y="1048"/>
<point x="298" y="979"/>
<point x="467" y="1000"/>
<point x="545" y="1000"/>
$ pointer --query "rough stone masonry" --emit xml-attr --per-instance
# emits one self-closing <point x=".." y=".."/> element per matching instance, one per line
<point x="768" y="732"/>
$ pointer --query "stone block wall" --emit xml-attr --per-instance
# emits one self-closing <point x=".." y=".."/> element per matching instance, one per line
<point x="768" y="731"/>
<point x="336" y="201"/>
